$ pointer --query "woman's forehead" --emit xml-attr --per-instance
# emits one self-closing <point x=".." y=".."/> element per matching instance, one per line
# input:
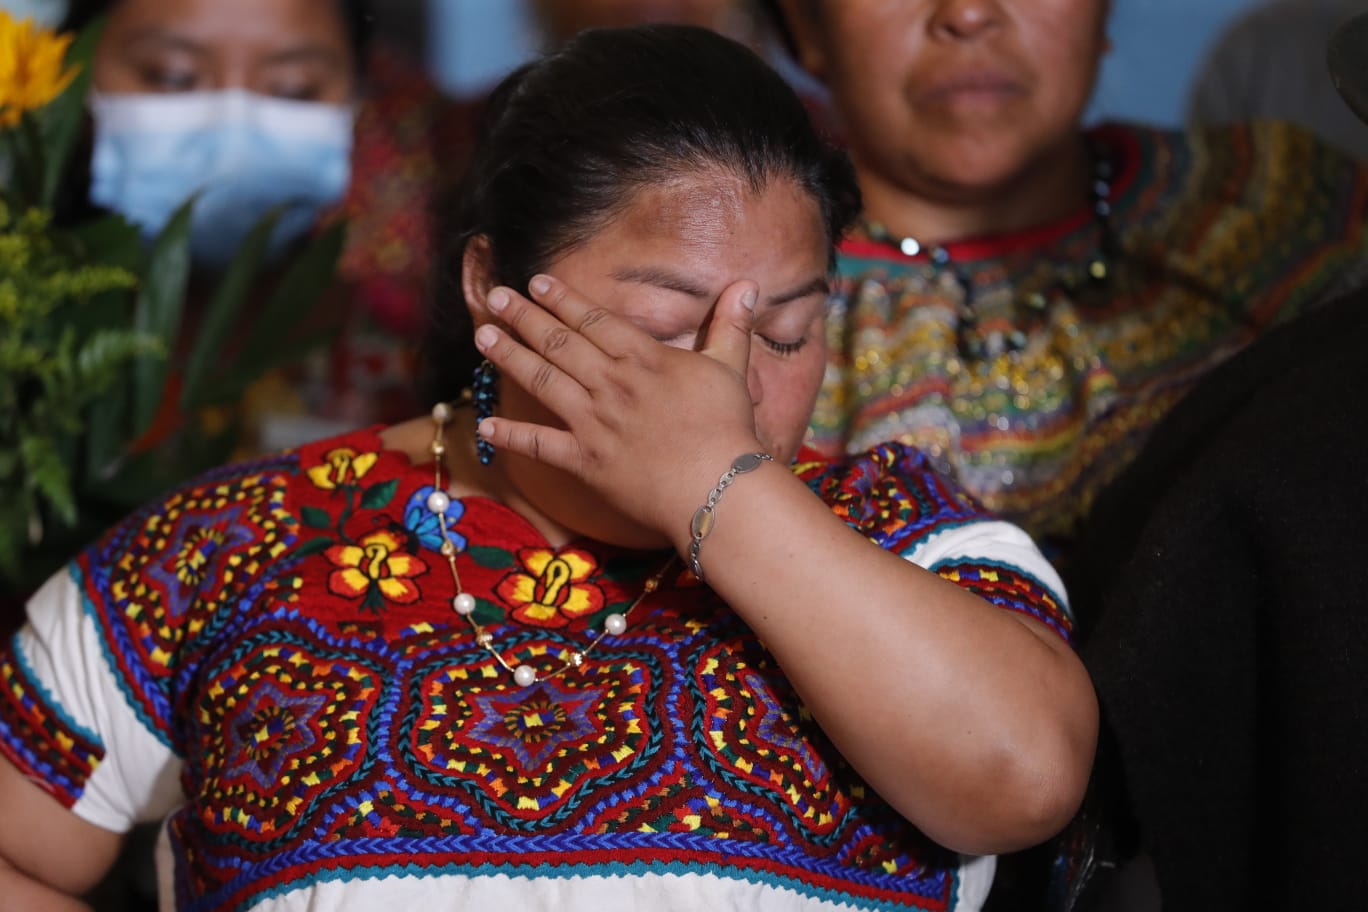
<point x="714" y="229"/>
<point x="239" y="23"/>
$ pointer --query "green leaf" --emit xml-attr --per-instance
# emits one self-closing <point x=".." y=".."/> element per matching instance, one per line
<point x="128" y="481"/>
<point x="105" y="352"/>
<point x="214" y="333"/>
<point x="106" y="434"/>
<point x="314" y="546"/>
<point x="110" y="239"/>
<point x="43" y="465"/>
<point x="378" y="496"/>
<point x="26" y="160"/>
<point x="13" y="525"/>
<point x="493" y="558"/>
<point x="374" y="600"/>
<point x="144" y="476"/>
<point x="310" y="274"/>
<point x="276" y="338"/>
<point x="64" y="116"/>
<point x="315" y="518"/>
<point x="159" y="310"/>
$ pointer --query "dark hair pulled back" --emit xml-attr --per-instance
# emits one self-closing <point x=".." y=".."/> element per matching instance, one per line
<point x="566" y="141"/>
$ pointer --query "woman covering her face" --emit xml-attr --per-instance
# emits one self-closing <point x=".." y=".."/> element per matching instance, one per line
<point x="1024" y="298"/>
<point x="510" y="656"/>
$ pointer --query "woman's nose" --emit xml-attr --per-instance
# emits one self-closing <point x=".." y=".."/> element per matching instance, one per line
<point x="964" y="20"/>
<point x="755" y="385"/>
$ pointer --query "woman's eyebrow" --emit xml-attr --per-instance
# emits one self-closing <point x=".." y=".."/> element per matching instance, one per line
<point x="321" y="54"/>
<point x="817" y="285"/>
<point x="157" y="36"/>
<point x="664" y="278"/>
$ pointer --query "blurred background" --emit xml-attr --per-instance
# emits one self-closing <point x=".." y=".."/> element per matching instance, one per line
<point x="1161" y="48"/>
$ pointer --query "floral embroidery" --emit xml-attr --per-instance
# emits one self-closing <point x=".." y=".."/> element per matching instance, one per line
<point x="552" y="588"/>
<point x="423" y="523"/>
<point x="376" y="569"/>
<point x="340" y="467"/>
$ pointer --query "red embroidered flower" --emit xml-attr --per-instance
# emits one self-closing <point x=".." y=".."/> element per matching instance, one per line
<point x="376" y="569"/>
<point x="553" y="588"/>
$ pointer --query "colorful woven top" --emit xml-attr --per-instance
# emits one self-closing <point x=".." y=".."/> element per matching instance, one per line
<point x="1034" y="380"/>
<point x="270" y="658"/>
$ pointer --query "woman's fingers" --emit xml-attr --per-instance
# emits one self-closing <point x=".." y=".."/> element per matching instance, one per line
<point x="729" y="330"/>
<point x="608" y="331"/>
<point x="548" y="384"/>
<point x="545" y="334"/>
<point x="537" y="442"/>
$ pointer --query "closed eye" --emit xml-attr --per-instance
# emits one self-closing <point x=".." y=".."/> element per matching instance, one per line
<point x="784" y="348"/>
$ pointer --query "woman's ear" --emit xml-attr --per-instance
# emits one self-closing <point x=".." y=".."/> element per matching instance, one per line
<point x="800" y="17"/>
<point x="477" y="278"/>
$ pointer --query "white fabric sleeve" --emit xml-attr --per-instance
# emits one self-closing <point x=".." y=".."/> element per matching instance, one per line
<point x="137" y="779"/>
<point x="994" y="542"/>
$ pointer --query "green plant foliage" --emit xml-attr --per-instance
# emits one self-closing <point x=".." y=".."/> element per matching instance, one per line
<point x="114" y="385"/>
<point x="49" y="373"/>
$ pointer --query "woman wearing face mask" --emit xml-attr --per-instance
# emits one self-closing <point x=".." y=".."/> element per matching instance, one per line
<point x="249" y="105"/>
<point x="1024" y="298"/>
<point x="258" y="105"/>
<point x="510" y="656"/>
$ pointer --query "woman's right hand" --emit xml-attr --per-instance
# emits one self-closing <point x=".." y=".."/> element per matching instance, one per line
<point x="648" y="426"/>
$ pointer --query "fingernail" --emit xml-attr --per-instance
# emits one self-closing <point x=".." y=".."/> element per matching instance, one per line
<point x="485" y="428"/>
<point x="539" y="285"/>
<point x="748" y="299"/>
<point x="485" y="337"/>
<point x="497" y="300"/>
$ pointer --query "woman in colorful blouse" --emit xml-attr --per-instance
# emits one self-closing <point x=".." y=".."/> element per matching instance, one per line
<point x="488" y="660"/>
<point x="1024" y="298"/>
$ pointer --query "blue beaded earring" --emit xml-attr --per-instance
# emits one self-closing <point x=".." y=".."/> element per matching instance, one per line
<point x="485" y="393"/>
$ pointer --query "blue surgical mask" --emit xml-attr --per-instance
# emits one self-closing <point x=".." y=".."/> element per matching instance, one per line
<point x="243" y="153"/>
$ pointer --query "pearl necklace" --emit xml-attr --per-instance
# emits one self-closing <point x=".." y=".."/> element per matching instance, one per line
<point x="463" y="603"/>
<point x="1096" y="270"/>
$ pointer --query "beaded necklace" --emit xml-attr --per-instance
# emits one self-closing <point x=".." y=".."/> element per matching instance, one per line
<point x="1068" y="281"/>
<point x="463" y="603"/>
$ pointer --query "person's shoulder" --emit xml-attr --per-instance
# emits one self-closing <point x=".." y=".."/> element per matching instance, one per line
<point x="1215" y="146"/>
<point x="892" y="492"/>
<point x="1270" y="144"/>
<point x="1266" y="180"/>
<point x="244" y="504"/>
<point x="894" y="496"/>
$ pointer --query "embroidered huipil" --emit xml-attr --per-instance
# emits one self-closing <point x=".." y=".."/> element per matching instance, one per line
<point x="268" y="659"/>
<point x="1045" y="386"/>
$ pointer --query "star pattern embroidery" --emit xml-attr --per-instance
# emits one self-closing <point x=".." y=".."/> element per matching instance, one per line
<point x="274" y="727"/>
<point x="193" y="556"/>
<point x="534" y="724"/>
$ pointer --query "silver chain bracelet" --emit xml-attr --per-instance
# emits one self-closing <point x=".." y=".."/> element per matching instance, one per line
<point x="705" y="516"/>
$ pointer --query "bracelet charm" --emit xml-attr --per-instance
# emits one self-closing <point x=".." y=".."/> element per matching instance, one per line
<point x="705" y="517"/>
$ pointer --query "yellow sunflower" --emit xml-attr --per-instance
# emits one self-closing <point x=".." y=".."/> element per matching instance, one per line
<point x="33" y="67"/>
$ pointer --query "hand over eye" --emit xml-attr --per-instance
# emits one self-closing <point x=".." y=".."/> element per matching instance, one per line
<point x="647" y="425"/>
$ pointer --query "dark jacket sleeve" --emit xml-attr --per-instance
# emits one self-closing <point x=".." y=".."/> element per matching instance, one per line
<point x="1222" y="597"/>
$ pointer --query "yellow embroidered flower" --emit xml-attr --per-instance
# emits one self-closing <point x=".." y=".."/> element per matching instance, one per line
<point x="32" y="67"/>
<point x="376" y="569"/>
<point x="342" y="466"/>
<point x="553" y="588"/>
